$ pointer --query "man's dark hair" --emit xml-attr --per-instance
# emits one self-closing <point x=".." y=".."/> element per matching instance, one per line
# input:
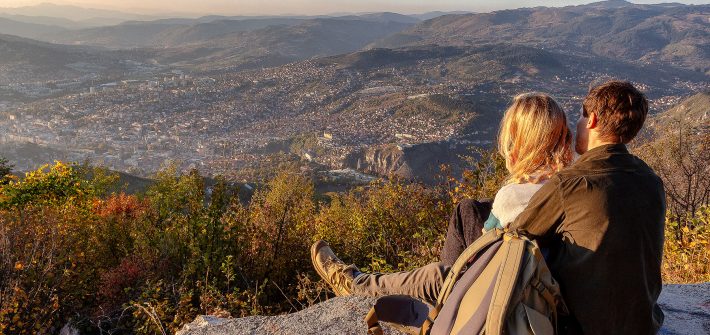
<point x="620" y="109"/>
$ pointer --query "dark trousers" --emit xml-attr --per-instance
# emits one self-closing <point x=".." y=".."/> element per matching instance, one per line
<point x="465" y="226"/>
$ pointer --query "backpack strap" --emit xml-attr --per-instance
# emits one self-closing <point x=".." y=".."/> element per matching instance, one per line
<point x="456" y="271"/>
<point x="507" y="278"/>
<point x="462" y="262"/>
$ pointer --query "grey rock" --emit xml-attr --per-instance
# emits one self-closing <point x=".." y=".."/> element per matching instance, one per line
<point x="687" y="310"/>
<point x="342" y="315"/>
<point x="69" y="329"/>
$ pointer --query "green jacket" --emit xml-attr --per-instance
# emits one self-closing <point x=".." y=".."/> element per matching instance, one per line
<point x="602" y="220"/>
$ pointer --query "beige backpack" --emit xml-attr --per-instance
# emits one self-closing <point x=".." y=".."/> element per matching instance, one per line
<point x="499" y="285"/>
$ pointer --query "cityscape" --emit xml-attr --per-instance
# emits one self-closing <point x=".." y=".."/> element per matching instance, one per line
<point x="280" y="167"/>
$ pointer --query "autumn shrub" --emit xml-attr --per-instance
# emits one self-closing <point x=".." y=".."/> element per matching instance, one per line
<point x="149" y="263"/>
<point x="482" y="180"/>
<point x="75" y="249"/>
<point x="680" y="157"/>
<point x="47" y="258"/>
<point x="279" y="227"/>
<point x="389" y="225"/>
<point x="228" y="258"/>
<point x="687" y="248"/>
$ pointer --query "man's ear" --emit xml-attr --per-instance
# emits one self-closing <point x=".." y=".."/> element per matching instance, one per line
<point x="592" y="121"/>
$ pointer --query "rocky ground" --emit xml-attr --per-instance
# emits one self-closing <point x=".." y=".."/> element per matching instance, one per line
<point x="687" y="310"/>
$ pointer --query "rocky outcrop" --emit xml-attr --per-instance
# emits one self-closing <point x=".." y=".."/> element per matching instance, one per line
<point x="687" y="310"/>
<point x="420" y="161"/>
<point x="343" y="315"/>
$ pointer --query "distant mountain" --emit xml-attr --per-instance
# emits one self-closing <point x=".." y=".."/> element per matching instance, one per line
<point x="503" y="62"/>
<point x="29" y="61"/>
<point x="76" y="13"/>
<point x="161" y="33"/>
<point x="125" y="35"/>
<point x="674" y="34"/>
<point x="235" y="44"/>
<point x="169" y="33"/>
<point x="27" y="30"/>
<point x="281" y="44"/>
<point x="381" y="17"/>
<point x="609" y="4"/>
<point x="47" y="21"/>
<point x="435" y="14"/>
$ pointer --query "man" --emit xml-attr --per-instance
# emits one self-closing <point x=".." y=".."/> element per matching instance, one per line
<point x="601" y="221"/>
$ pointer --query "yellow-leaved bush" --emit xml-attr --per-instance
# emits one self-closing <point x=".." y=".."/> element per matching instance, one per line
<point x="73" y="248"/>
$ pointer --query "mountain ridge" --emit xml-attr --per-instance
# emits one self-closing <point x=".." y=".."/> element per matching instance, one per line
<point x="678" y="35"/>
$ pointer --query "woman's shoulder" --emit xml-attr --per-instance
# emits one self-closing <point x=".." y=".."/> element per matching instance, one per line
<point x="515" y="194"/>
<point x="511" y="199"/>
<point x="519" y="189"/>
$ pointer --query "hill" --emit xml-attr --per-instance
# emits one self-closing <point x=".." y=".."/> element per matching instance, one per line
<point x="694" y="110"/>
<point x="281" y="44"/>
<point x="75" y="13"/>
<point x="161" y="33"/>
<point x="671" y="33"/>
<point x="26" y="62"/>
<point x="692" y="113"/>
<point x="27" y="30"/>
<point x="171" y="33"/>
<point x="46" y="21"/>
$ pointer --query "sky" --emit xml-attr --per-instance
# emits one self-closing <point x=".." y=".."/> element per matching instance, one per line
<point x="310" y="7"/>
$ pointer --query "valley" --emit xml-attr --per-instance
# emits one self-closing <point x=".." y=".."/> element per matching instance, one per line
<point x="235" y="96"/>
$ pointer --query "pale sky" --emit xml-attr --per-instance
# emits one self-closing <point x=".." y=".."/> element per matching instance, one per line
<point x="309" y="7"/>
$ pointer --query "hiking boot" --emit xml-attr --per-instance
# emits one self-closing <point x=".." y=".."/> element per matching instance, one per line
<point x="336" y="273"/>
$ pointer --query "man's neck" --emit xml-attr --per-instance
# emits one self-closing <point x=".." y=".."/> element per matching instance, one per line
<point x="597" y="142"/>
<point x="597" y="145"/>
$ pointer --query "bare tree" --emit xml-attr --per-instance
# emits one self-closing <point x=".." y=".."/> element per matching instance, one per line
<point x="682" y="160"/>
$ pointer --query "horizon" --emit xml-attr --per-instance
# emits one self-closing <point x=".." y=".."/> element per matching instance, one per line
<point x="301" y="7"/>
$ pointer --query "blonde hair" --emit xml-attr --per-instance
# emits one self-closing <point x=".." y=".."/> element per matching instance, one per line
<point x="534" y="138"/>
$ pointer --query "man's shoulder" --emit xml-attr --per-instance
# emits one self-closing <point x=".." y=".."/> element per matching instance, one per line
<point x="625" y="167"/>
<point x="622" y="162"/>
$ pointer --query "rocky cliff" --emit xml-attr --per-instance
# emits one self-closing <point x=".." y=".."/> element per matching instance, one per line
<point x="419" y="161"/>
<point x="686" y="307"/>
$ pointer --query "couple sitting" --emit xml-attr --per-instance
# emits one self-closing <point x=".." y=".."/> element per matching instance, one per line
<point x="599" y="219"/>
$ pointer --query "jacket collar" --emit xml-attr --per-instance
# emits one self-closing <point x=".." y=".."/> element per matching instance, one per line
<point x="603" y="151"/>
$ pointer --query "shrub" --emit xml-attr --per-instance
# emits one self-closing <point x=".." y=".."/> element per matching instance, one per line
<point x="388" y="225"/>
<point x="70" y="250"/>
<point x="686" y="256"/>
<point x="46" y="250"/>
<point x="680" y="158"/>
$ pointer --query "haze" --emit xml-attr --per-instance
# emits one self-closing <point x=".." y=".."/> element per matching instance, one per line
<point x="309" y="7"/>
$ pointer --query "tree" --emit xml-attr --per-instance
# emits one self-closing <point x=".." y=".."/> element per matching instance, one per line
<point x="5" y="171"/>
<point x="682" y="162"/>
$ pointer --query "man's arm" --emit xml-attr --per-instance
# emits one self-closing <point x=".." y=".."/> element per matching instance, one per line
<point x="543" y="215"/>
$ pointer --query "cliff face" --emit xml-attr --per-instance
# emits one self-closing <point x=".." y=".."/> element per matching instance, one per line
<point x="419" y="161"/>
<point x="686" y="308"/>
<point x="381" y="160"/>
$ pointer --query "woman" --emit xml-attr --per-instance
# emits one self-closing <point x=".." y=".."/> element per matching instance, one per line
<point x="535" y="141"/>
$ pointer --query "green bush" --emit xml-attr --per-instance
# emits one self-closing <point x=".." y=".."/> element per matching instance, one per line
<point x="73" y="251"/>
